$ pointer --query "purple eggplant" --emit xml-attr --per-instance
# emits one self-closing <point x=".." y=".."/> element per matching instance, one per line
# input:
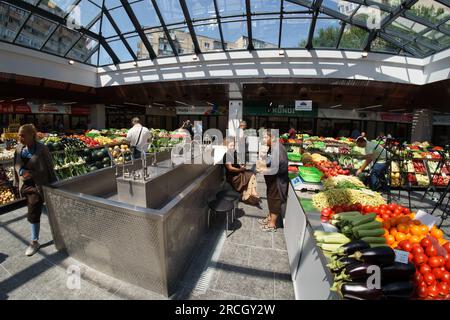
<point x="359" y="291"/>
<point x="397" y="271"/>
<point x="379" y="255"/>
<point x="398" y="290"/>
<point x="352" y="247"/>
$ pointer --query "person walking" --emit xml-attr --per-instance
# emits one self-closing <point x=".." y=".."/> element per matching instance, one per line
<point x="138" y="137"/>
<point x="33" y="168"/>
<point x="377" y="154"/>
<point x="277" y="184"/>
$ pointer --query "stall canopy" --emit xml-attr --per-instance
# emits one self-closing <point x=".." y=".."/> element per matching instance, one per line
<point x="100" y="33"/>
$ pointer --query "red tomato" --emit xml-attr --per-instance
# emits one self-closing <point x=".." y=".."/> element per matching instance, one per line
<point x="431" y="251"/>
<point x="443" y="288"/>
<point x="425" y="242"/>
<point x="417" y="250"/>
<point x="418" y="277"/>
<point x="422" y="291"/>
<point x="385" y="216"/>
<point x="382" y="212"/>
<point x="446" y="277"/>
<point x="406" y="211"/>
<point x="437" y="272"/>
<point x="411" y="257"/>
<point x="398" y="212"/>
<point x="324" y="219"/>
<point x="420" y="258"/>
<point x="384" y="206"/>
<point x="429" y="278"/>
<point x="389" y="212"/>
<point x="447" y="265"/>
<point x="441" y="260"/>
<point x="447" y="246"/>
<point x="405" y="245"/>
<point x="433" y="290"/>
<point x="424" y="269"/>
<point x="392" y="207"/>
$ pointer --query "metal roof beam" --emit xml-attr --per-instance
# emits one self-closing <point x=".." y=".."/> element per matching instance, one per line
<point x="316" y="6"/>
<point x="425" y="23"/>
<point x="219" y="23"/>
<point x="406" y="38"/>
<point x="37" y="10"/>
<point x="397" y="12"/>
<point x="164" y="26"/>
<point x="280" y="29"/>
<point x="138" y="28"/>
<point x="119" y="33"/>
<point x="249" y="26"/>
<point x="190" y="26"/>
<point x="410" y="50"/>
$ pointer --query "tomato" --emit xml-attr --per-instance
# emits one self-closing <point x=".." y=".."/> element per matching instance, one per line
<point x="420" y="258"/>
<point x="418" y="277"/>
<point x="406" y="211"/>
<point x="447" y="265"/>
<point x="445" y="277"/>
<point x="433" y="290"/>
<point x="424" y="269"/>
<point x="389" y="212"/>
<point x="411" y="257"/>
<point x="324" y="219"/>
<point x="376" y="210"/>
<point x="425" y="242"/>
<point x="429" y="278"/>
<point x="431" y="251"/>
<point x="405" y="245"/>
<point x="417" y="250"/>
<point x="434" y="262"/>
<point x="422" y="291"/>
<point x="447" y="246"/>
<point x="392" y="207"/>
<point x="398" y="212"/>
<point x="443" y="288"/>
<point x="382" y="211"/>
<point x="437" y="272"/>
<point x="384" y="206"/>
<point x="385" y="217"/>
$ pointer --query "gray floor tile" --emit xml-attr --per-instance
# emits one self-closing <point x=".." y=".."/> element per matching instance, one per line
<point x="235" y="254"/>
<point x="259" y="238"/>
<point x="279" y="241"/>
<point x="284" y="289"/>
<point x="132" y="292"/>
<point x="269" y="260"/>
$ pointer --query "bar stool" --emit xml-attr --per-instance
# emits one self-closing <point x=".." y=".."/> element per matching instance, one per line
<point x="219" y="206"/>
<point x="232" y="196"/>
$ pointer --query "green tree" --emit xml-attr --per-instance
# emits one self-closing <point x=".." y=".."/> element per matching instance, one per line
<point x="431" y="14"/>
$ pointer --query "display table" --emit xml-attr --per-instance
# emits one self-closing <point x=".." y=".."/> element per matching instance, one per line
<point x="147" y="246"/>
<point x="311" y="278"/>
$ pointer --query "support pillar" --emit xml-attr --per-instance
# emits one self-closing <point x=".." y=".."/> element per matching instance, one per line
<point x="422" y="127"/>
<point x="98" y="116"/>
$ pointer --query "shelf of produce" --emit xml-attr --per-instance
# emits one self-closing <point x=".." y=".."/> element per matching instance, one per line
<point x="15" y="204"/>
<point x="312" y="279"/>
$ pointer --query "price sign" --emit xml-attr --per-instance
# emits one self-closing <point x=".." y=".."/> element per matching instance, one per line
<point x="401" y="256"/>
<point x="426" y="219"/>
<point x="296" y="181"/>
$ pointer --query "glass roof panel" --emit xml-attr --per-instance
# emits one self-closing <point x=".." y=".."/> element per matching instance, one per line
<point x="343" y="7"/>
<point x="406" y="27"/>
<point x="182" y="40"/>
<point x="104" y="58"/>
<point x="11" y="18"/>
<point x="370" y="16"/>
<point x="391" y="3"/>
<point x="353" y="38"/>
<point x="208" y="37"/>
<point x="138" y="47"/>
<point x="35" y="32"/>
<point x="120" y="50"/>
<point x="83" y="48"/>
<point x="109" y="4"/>
<point x="84" y="13"/>
<point x="326" y="33"/>
<point x="265" y="33"/>
<point x="231" y="7"/>
<point x="289" y="6"/>
<point x="420" y="48"/>
<point x="61" y="41"/>
<point x="58" y="7"/>
<point x="146" y="14"/>
<point x="201" y="9"/>
<point x="430" y="11"/>
<point x="159" y="42"/>
<point x="447" y="25"/>
<point x="107" y="28"/>
<point x="122" y="20"/>
<point x="294" y="33"/>
<point x="264" y="6"/>
<point x="381" y="45"/>
<point x="437" y="38"/>
<point x="32" y="1"/>
<point x="235" y="35"/>
<point x="171" y="11"/>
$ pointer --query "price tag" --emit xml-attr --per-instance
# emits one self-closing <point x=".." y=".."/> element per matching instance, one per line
<point x="296" y="181"/>
<point x="401" y="256"/>
<point x="426" y="219"/>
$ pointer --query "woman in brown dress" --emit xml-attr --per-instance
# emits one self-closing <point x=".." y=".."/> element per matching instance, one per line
<point x="277" y="183"/>
<point x="33" y="168"/>
<point x="242" y="180"/>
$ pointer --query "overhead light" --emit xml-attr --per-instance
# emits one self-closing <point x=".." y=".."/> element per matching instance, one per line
<point x="71" y="62"/>
<point x="159" y="104"/>
<point x="182" y="103"/>
<point x="281" y="52"/>
<point x="373" y="107"/>
<point x="133" y="104"/>
<point x="209" y="103"/>
<point x="2" y="101"/>
<point x="195" y="57"/>
<point x="19" y="99"/>
<point x="270" y="104"/>
<point x="68" y="103"/>
<point x="397" y="110"/>
<point x="135" y="64"/>
<point x="364" y="54"/>
<point x="336" y="106"/>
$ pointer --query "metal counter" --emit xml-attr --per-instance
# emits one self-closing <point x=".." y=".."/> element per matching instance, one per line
<point x="149" y="247"/>
<point x="311" y="278"/>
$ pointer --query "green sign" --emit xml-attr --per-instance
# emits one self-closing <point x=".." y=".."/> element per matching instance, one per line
<point x="278" y="111"/>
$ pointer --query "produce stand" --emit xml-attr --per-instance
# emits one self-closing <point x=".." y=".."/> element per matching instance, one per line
<point x="148" y="246"/>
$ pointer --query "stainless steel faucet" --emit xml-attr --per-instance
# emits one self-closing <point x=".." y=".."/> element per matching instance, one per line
<point x="126" y="173"/>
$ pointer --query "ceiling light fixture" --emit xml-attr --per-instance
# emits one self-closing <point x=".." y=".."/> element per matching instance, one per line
<point x="336" y="106"/>
<point x="159" y="104"/>
<point x="209" y="103"/>
<point x="2" y="101"/>
<point x="133" y="104"/>
<point x="71" y="62"/>
<point x="364" y="54"/>
<point x="373" y="107"/>
<point x="182" y="103"/>
<point x="195" y="57"/>
<point x="281" y="52"/>
<point x="397" y="110"/>
<point x="69" y="103"/>
<point x="19" y="99"/>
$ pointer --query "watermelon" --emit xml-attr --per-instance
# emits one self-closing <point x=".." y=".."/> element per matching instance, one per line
<point x="92" y="168"/>
<point x="106" y="160"/>
<point x="98" y="164"/>
<point x="106" y="165"/>
<point x="87" y="152"/>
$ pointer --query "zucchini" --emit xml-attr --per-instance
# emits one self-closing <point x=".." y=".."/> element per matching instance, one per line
<point x="368" y="226"/>
<point x="379" y="255"/>
<point x="345" y="215"/>
<point x="365" y="219"/>
<point x="369" y="233"/>
<point x="352" y="247"/>
<point x="371" y="240"/>
<point x="374" y="245"/>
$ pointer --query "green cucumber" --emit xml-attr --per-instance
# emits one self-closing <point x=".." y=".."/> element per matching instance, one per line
<point x="369" y="233"/>
<point x="372" y="240"/>
<point x="368" y="226"/>
<point x="343" y="215"/>
<point x="364" y="219"/>
<point x="374" y="245"/>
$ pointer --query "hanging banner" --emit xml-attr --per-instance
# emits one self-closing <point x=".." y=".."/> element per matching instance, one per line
<point x="347" y="114"/>
<point x="81" y="111"/>
<point x="278" y="110"/>
<point x="52" y="109"/>
<point x="201" y="110"/>
<point x="303" y="105"/>
<point x="441" y="120"/>
<point x="395" y="117"/>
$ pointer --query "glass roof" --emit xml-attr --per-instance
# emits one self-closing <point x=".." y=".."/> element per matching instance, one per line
<point x="104" y="32"/>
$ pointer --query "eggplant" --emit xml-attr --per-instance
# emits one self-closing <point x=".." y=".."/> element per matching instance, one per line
<point x="359" y="291"/>
<point x="355" y="272"/>
<point x="338" y="265"/>
<point x="398" y="271"/>
<point x="378" y="255"/>
<point x="398" y="290"/>
<point x="352" y="247"/>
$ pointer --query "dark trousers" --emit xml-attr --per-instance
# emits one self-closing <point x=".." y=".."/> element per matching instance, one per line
<point x="136" y="153"/>
<point x="378" y="172"/>
<point x="34" y="203"/>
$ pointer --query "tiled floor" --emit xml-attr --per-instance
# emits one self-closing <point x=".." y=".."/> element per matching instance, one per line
<point x="249" y="264"/>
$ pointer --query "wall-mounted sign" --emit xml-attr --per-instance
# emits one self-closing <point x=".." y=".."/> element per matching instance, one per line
<point x="277" y="110"/>
<point x="53" y="109"/>
<point x="80" y="111"/>
<point x="303" y="105"/>
<point x="395" y="117"/>
<point x="201" y="110"/>
<point x="441" y="120"/>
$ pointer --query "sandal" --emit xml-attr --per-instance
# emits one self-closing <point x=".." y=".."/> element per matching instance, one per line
<point x="263" y="221"/>
<point x="266" y="228"/>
